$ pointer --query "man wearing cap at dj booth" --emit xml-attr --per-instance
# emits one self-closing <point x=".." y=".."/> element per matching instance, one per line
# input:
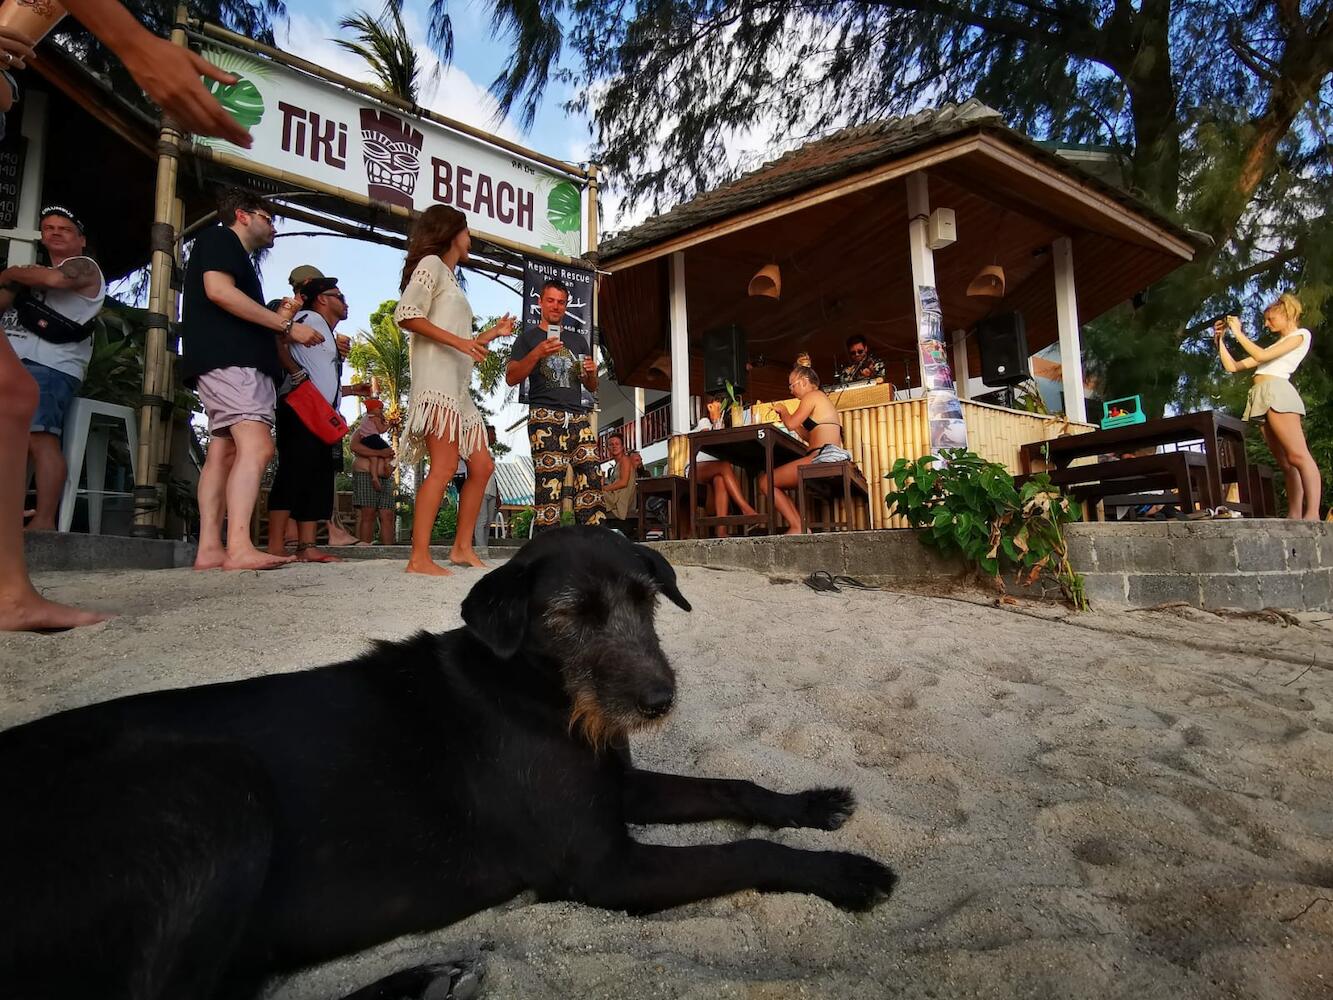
<point x="47" y="314"/>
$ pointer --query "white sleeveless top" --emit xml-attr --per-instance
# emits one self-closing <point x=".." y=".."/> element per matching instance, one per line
<point x="72" y="359"/>
<point x="1284" y="366"/>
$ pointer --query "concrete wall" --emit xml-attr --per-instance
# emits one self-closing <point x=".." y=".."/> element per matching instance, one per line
<point x="1249" y="564"/>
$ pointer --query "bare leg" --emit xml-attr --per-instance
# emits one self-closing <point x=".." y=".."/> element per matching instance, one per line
<point x="718" y="492"/>
<point x="213" y="501"/>
<point x="280" y="526"/>
<point x="733" y="486"/>
<point x="338" y="535"/>
<point x="254" y="450"/>
<point x="49" y="462"/>
<point x="21" y="607"/>
<point x="1286" y="427"/>
<point x="479" y="469"/>
<point x="388" y="529"/>
<point x="443" y="463"/>
<point x="365" y="524"/>
<point x="1290" y="475"/>
<point x="784" y="478"/>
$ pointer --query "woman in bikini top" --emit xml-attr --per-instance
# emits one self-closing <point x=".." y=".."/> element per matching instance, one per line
<point x="816" y="421"/>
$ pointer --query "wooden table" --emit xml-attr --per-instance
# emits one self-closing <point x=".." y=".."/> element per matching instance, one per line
<point x="754" y="448"/>
<point x="678" y="492"/>
<point x="1209" y="426"/>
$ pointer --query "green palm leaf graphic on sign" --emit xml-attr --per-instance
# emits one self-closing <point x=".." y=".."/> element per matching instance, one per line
<point x="564" y="207"/>
<point x="242" y="99"/>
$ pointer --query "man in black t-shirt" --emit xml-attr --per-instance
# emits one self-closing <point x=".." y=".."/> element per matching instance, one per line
<point x="558" y="364"/>
<point x="229" y="356"/>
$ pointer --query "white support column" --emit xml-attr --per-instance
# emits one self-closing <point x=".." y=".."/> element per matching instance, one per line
<point x="923" y="260"/>
<point x="638" y="418"/>
<point x="960" y="372"/>
<point x="25" y="236"/>
<point x="1066" y="319"/>
<point x="680" y="349"/>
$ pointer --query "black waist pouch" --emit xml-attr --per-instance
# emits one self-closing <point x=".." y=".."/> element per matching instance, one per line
<point x="40" y="319"/>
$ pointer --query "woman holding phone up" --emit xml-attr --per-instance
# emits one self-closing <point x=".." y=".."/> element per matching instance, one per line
<point x="1274" y="401"/>
<point x="442" y="421"/>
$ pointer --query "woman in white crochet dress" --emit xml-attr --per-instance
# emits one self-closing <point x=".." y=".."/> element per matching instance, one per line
<point x="442" y="422"/>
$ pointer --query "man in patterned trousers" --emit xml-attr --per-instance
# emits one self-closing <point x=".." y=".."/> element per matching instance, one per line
<point x="556" y="361"/>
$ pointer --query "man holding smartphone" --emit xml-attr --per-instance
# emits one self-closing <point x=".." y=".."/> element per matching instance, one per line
<point x="558" y="364"/>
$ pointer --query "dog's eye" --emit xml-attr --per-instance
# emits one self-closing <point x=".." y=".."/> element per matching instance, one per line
<point x="593" y="608"/>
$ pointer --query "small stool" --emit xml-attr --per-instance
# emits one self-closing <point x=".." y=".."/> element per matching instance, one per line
<point x="676" y="491"/>
<point x="85" y="445"/>
<point x="827" y="482"/>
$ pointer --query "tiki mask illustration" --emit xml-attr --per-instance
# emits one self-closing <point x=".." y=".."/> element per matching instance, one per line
<point x="392" y="151"/>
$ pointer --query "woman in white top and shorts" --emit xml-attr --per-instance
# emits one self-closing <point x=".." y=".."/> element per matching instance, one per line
<point x="1274" y="401"/>
<point x="442" y="422"/>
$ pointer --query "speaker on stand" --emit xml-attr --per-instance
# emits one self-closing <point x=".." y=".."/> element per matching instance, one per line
<point x="1002" y="343"/>
<point x="724" y="359"/>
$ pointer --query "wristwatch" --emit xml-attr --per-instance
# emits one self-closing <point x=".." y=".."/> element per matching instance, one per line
<point x="287" y="327"/>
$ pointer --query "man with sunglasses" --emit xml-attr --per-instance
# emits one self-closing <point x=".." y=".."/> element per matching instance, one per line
<point x="229" y="356"/>
<point x="304" y="485"/>
<point x="863" y="365"/>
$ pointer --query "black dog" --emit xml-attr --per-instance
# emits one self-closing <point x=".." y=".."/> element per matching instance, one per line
<point x="191" y="843"/>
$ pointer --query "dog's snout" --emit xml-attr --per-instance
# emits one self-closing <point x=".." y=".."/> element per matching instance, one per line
<point x="656" y="701"/>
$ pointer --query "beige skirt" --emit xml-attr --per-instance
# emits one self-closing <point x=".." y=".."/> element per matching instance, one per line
<point x="1273" y="394"/>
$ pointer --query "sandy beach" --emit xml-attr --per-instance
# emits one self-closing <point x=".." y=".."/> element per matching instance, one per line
<point x="1128" y="804"/>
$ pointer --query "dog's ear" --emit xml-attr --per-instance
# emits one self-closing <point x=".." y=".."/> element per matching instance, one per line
<point x="496" y="609"/>
<point x="664" y="575"/>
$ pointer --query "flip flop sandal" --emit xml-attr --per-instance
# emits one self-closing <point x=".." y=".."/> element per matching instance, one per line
<point x="854" y="583"/>
<point x="821" y="582"/>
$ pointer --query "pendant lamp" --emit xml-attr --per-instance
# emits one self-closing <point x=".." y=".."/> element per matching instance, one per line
<point x="767" y="281"/>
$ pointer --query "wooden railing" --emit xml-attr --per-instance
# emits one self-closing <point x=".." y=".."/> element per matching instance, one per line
<point x="656" y="427"/>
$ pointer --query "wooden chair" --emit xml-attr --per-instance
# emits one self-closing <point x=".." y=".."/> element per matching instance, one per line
<point x="827" y="482"/>
<point x="675" y="490"/>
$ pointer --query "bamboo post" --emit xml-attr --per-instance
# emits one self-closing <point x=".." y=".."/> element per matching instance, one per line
<point x="156" y="367"/>
<point x="590" y="242"/>
<point x="169" y="380"/>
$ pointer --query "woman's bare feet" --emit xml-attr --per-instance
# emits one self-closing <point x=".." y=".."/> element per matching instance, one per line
<point x="28" y="611"/>
<point x="210" y="558"/>
<point x="340" y="536"/>
<point x="466" y="557"/>
<point x="254" y="559"/>
<point x="426" y="566"/>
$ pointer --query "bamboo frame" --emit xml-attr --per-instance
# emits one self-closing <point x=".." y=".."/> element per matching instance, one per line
<point x="158" y="370"/>
<point x="204" y="30"/>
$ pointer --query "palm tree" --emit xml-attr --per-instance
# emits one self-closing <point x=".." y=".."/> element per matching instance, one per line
<point x="384" y="45"/>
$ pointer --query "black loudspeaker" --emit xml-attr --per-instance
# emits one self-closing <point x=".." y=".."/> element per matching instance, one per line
<point x="1003" y="344"/>
<point x="724" y="359"/>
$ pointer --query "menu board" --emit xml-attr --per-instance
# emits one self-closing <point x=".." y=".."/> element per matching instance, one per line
<point x="11" y="174"/>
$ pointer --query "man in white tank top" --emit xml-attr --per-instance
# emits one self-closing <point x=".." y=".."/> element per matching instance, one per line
<point x="73" y="287"/>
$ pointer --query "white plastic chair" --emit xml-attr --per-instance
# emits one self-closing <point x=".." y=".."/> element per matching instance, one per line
<point x="85" y="444"/>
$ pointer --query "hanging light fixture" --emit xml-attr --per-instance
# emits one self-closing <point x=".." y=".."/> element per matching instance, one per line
<point x="767" y="281"/>
<point x="988" y="284"/>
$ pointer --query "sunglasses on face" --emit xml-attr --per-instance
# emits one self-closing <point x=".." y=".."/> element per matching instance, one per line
<point x="858" y="351"/>
<point x="337" y="295"/>
<point x="267" y="218"/>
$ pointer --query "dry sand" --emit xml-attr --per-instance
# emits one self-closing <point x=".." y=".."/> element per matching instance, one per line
<point x="1121" y="804"/>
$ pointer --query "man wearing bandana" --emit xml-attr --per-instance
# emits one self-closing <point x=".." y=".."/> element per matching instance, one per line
<point x="558" y="365"/>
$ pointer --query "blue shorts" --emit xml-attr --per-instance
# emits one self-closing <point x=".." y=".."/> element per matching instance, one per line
<point x="55" y="390"/>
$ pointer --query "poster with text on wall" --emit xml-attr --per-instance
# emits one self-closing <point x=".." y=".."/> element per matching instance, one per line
<point x="577" y="324"/>
<point x="944" y="413"/>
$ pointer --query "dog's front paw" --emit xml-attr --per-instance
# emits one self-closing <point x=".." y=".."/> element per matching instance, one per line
<point x="825" y="808"/>
<point x="855" y="882"/>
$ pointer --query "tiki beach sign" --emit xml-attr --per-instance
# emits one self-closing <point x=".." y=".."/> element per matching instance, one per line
<point x="312" y="128"/>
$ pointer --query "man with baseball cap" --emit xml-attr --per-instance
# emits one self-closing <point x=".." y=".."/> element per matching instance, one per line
<point x="47" y="316"/>
<point x="303" y="487"/>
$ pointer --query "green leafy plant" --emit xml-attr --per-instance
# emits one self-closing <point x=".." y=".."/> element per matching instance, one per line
<point x="971" y="507"/>
<point x="446" y="522"/>
<point x="521" y="522"/>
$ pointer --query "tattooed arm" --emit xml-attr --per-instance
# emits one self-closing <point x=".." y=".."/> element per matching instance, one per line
<point x="78" y="274"/>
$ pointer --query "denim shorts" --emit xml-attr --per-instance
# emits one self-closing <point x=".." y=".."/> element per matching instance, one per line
<point x="55" y="389"/>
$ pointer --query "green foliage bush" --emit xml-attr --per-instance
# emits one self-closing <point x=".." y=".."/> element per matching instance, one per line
<point x="970" y="507"/>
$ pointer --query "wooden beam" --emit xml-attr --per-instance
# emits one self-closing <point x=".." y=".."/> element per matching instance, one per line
<point x="680" y="349"/>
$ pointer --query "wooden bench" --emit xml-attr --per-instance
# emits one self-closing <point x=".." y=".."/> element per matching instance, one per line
<point x="827" y="482"/>
<point x="1128" y="480"/>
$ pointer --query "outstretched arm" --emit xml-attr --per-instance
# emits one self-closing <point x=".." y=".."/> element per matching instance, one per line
<point x="1261" y="354"/>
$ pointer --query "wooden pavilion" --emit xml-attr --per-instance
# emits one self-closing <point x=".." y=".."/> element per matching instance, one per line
<point x="845" y="219"/>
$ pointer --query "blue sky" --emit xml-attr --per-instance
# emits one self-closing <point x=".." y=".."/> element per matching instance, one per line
<point x="367" y="273"/>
